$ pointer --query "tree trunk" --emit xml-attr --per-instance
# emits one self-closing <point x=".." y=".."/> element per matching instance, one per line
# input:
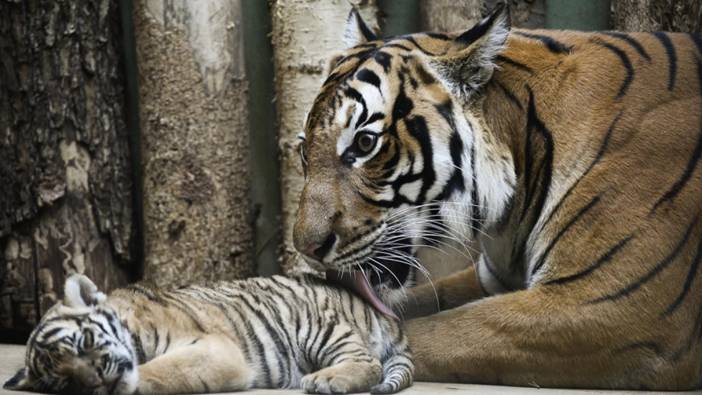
<point x="194" y="140"/>
<point x="305" y="34"/>
<point x="450" y="15"/>
<point x="657" y="15"/>
<point x="65" y="164"/>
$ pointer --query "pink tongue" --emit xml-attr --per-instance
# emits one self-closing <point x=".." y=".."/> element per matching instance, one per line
<point x="356" y="281"/>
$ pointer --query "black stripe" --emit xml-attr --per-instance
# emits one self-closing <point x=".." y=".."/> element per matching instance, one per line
<point x="282" y="352"/>
<point x="660" y="266"/>
<point x="691" y="274"/>
<point x="624" y="58"/>
<point x="598" y="157"/>
<point x="632" y="43"/>
<point x="366" y="32"/>
<point x="384" y="59"/>
<point x="156" y="338"/>
<point x="417" y="127"/>
<point x="416" y="44"/>
<point x="480" y="29"/>
<point x="560" y="234"/>
<point x="601" y="261"/>
<point x="509" y="94"/>
<point x="168" y="342"/>
<point x="396" y="45"/>
<point x="456" y="151"/>
<point x="331" y="354"/>
<point x="446" y="111"/>
<point x="369" y="76"/>
<point x="552" y="44"/>
<point x="691" y="164"/>
<point x="672" y="57"/>
<point x="323" y="342"/>
<point x="476" y="214"/>
<point x="138" y="348"/>
<point x="514" y="63"/>
<point x="374" y="117"/>
<point x="545" y="169"/>
<point x="439" y="36"/>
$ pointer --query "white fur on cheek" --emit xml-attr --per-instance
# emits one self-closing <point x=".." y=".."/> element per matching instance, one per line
<point x="128" y="383"/>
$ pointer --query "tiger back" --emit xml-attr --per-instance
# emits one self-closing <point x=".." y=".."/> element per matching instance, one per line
<point x="572" y="158"/>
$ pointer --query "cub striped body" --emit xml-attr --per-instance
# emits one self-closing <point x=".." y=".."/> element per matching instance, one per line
<point x="272" y="332"/>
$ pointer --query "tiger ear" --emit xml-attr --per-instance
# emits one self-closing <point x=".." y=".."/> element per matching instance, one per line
<point x="357" y="32"/>
<point x="79" y="291"/>
<point x="471" y="63"/>
<point x="23" y="380"/>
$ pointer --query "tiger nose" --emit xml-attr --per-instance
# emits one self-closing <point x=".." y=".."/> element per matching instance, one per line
<point x="320" y="250"/>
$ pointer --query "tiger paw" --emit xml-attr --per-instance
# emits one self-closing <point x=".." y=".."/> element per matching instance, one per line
<point x="329" y="382"/>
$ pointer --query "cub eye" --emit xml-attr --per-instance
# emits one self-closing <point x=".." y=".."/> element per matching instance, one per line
<point x="365" y="142"/>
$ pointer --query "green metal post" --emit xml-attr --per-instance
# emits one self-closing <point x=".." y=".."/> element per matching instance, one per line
<point x="264" y="167"/>
<point x="401" y="17"/>
<point x="582" y="15"/>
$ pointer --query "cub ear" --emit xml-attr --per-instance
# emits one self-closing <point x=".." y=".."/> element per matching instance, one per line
<point x="22" y="381"/>
<point x="471" y="62"/>
<point x="79" y="291"/>
<point x="357" y="32"/>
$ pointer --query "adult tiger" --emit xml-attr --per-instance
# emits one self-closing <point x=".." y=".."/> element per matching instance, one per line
<point x="573" y="158"/>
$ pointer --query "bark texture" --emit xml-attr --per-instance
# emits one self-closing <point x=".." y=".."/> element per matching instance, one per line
<point x="194" y="140"/>
<point x="450" y="15"/>
<point x="657" y="15"/>
<point x="305" y="35"/>
<point x="65" y="163"/>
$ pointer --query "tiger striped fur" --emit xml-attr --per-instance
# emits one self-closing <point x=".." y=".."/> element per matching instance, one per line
<point x="572" y="158"/>
<point x="272" y="332"/>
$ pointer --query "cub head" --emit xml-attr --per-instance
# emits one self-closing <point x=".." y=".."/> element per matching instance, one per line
<point x="78" y="347"/>
<point x="387" y="149"/>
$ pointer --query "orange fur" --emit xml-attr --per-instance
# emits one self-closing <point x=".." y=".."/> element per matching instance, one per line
<point x="600" y="239"/>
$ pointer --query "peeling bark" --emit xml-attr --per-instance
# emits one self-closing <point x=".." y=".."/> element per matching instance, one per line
<point x="193" y="115"/>
<point x="450" y="15"/>
<point x="657" y="15"/>
<point x="64" y="164"/>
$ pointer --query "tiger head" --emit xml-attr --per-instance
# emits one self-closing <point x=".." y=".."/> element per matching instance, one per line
<point x="387" y="150"/>
<point x="79" y="347"/>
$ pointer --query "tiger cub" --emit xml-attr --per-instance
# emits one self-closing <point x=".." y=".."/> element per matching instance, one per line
<point x="274" y="332"/>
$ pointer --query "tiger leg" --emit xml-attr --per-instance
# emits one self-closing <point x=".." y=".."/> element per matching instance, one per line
<point x="211" y="364"/>
<point x="538" y="337"/>
<point x="446" y="293"/>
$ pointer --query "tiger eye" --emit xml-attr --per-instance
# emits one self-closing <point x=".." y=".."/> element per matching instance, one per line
<point x="365" y="142"/>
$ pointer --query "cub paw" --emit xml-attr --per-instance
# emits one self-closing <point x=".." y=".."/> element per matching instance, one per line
<point x="329" y="383"/>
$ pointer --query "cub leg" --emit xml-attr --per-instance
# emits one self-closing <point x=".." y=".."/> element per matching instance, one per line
<point x="447" y="293"/>
<point x="210" y="364"/>
<point x="347" y="365"/>
<point x="356" y="374"/>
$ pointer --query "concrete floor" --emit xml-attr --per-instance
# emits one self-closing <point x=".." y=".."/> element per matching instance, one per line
<point x="12" y="358"/>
